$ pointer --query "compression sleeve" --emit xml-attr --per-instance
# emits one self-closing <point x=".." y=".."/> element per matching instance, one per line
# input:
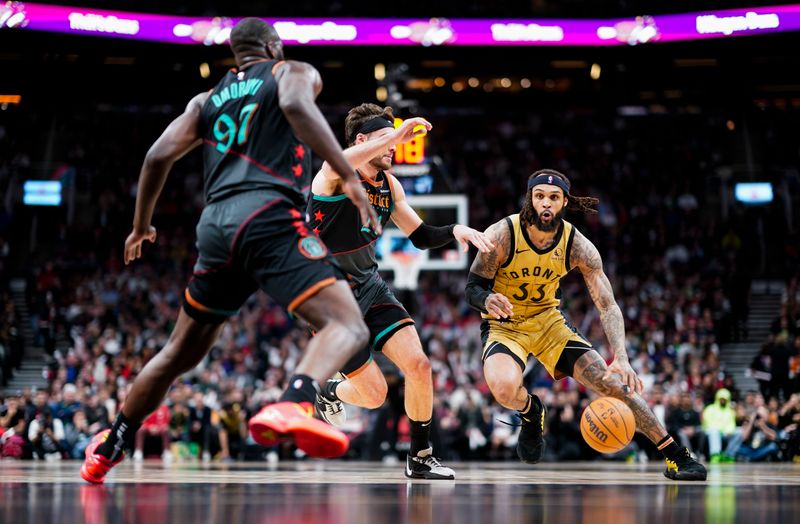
<point x="478" y="288"/>
<point x="427" y="237"/>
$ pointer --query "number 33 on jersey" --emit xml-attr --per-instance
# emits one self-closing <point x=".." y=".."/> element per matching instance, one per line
<point x="530" y="277"/>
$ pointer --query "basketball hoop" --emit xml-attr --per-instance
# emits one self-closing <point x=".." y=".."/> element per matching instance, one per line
<point x="405" y="267"/>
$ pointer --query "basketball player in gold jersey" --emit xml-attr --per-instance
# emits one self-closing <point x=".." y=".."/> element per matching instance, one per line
<point x="515" y="287"/>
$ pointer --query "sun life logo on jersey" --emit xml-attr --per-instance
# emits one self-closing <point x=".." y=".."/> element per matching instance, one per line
<point x="312" y="248"/>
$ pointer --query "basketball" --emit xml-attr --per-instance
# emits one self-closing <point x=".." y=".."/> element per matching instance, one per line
<point x="607" y="425"/>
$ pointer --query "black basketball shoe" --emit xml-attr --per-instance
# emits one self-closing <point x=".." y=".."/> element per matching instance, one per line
<point x="530" y="445"/>
<point x="685" y="467"/>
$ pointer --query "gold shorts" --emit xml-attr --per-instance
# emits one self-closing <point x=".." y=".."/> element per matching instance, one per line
<point x="545" y="336"/>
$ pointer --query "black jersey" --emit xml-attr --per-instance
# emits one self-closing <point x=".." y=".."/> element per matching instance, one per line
<point x="248" y="143"/>
<point x="337" y="221"/>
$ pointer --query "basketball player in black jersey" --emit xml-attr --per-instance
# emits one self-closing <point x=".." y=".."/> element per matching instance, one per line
<point x="372" y="137"/>
<point x="253" y="128"/>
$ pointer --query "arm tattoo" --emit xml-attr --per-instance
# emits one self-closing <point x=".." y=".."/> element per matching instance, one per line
<point x="587" y="259"/>
<point x="589" y="371"/>
<point x="487" y="264"/>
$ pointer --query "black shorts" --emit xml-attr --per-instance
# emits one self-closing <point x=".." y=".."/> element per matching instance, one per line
<point x="250" y="241"/>
<point x="384" y="316"/>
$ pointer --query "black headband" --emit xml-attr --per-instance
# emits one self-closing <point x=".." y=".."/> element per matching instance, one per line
<point x="549" y="179"/>
<point x="373" y="124"/>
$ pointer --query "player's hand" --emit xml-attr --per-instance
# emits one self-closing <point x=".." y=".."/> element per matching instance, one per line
<point x="406" y="133"/>
<point x="355" y="192"/>
<point x="133" y="244"/>
<point x="498" y="306"/>
<point x="630" y="380"/>
<point x="466" y="236"/>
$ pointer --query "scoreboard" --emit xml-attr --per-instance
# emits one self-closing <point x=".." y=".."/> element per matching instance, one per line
<point x="412" y="152"/>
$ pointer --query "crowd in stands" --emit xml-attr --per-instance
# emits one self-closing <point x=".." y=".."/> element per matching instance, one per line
<point x="681" y="275"/>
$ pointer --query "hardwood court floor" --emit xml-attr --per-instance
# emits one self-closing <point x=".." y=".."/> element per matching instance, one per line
<point x="362" y="492"/>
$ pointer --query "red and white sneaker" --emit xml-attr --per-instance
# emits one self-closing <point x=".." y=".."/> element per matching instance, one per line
<point x="96" y="466"/>
<point x="296" y="422"/>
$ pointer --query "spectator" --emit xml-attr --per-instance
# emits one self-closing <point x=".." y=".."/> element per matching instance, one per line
<point x="789" y="422"/>
<point x="77" y="436"/>
<point x="155" y="426"/>
<point x="474" y="423"/>
<point x="13" y="443"/>
<point x="782" y="351"/>
<point x="759" y="438"/>
<point x="684" y="421"/>
<point x="69" y="404"/>
<point x="97" y="415"/>
<point x="565" y="440"/>
<point x="46" y="434"/>
<point x="233" y="420"/>
<point x="202" y="430"/>
<point x="719" y="423"/>
<point x="761" y="369"/>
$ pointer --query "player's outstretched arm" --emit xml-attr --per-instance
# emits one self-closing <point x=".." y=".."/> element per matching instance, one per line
<point x="180" y="137"/>
<point x="298" y="86"/>
<point x="327" y="180"/>
<point x="425" y="236"/>
<point x="586" y="258"/>
<point x="484" y="268"/>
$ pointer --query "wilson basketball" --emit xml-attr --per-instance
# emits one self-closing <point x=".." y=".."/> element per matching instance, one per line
<point x="607" y="425"/>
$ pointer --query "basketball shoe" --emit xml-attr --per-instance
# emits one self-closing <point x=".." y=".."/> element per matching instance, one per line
<point x="331" y="410"/>
<point x="296" y="421"/>
<point x="684" y="467"/>
<point x="425" y="466"/>
<point x="530" y="445"/>
<point x="96" y="466"/>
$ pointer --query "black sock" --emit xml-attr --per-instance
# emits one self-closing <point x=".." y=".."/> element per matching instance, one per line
<point x="668" y="447"/>
<point x="121" y="437"/>
<point x="301" y="388"/>
<point x="329" y="391"/>
<point x="420" y="436"/>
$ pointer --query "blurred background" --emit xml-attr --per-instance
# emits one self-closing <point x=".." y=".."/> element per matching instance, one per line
<point x="667" y="134"/>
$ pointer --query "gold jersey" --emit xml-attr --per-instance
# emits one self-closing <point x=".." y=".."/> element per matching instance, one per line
<point x="530" y="277"/>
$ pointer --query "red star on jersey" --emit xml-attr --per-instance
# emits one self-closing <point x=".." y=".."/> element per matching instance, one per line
<point x="318" y="216"/>
<point x="316" y="231"/>
<point x="297" y="169"/>
<point x="299" y="152"/>
<point x="295" y="213"/>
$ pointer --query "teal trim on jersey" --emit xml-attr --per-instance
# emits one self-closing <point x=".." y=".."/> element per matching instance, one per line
<point x="388" y="329"/>
<point x="224" y="312"/>
<point x="334" y="198"/>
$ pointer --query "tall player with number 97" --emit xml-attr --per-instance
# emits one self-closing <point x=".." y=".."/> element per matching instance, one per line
<point x="255" y="127"/>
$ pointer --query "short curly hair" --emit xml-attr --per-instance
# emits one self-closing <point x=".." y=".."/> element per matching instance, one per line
<point x="360" y="114"/>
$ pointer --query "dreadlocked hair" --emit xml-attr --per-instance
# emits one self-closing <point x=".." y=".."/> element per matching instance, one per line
<point x="583" y="204"/>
